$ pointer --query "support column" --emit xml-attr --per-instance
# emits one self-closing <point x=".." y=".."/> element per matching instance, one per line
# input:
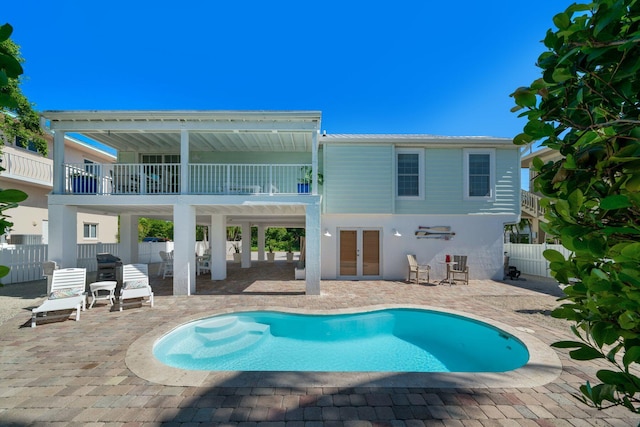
<point x="261" y="242"/>
<point x="184" y="161"/>
<point x="63" y="237"/>
<point x="58" y="161"/>
<point x="312" y="233"/>
<point x="218" y="245"/>
<point x="128" y="248"/>
<point x="184" y="249"/>
<point x="246" y="245"/>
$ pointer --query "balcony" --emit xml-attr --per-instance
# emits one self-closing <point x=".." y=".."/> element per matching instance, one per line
<point x="27" y="168"/>
<point x="531" y="204"/>
<point x="214" y="179"/>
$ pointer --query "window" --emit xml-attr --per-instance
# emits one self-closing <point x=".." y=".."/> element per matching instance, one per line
<point x="27" y="144"/>
<point x="90" y="231"/>
<point x="479" y="179"/>
<point x="409" y="169"/>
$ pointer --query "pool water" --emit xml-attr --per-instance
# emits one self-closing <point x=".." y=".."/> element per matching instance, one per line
<point x="392" y="340"/>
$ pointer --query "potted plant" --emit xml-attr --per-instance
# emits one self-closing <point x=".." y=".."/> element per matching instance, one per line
<point x="304" y="184"/>
<point x="289" y="246"/>
<point x="270" y="255"/>
<point x="235" y="247"/>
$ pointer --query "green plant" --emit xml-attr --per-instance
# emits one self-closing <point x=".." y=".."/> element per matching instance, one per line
<point x="587" y="106"/>
<point x="307" y="176"/>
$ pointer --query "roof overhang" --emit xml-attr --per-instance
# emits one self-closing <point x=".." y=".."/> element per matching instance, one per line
<point x="160" y="131"/>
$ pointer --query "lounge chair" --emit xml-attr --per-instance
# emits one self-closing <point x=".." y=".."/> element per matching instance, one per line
<point x="417" y="269"/>
<point x="135" y="284"/>
<point x="67" y="293"/>
<point x="460" y="268"/>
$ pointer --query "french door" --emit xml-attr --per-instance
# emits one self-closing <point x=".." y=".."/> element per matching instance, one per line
<point x="359" y="256"/>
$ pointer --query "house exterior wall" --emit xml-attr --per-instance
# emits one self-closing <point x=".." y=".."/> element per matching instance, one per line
<point x="477" y="236"/>
<point x="358" y="179"/>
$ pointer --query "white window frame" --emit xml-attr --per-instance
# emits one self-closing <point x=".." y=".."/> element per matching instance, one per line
<point x="92" y="226"/>
<point x="492" y="173"/>
<point x="421" y="178"/>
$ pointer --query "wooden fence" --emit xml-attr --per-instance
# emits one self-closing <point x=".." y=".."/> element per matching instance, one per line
<point x="528" y="258"/>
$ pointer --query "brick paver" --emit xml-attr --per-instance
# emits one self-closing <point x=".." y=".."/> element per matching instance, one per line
<point x="74" y="373"/>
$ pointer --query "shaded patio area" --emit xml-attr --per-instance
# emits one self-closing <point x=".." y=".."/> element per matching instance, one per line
<point x="76" y="373"/>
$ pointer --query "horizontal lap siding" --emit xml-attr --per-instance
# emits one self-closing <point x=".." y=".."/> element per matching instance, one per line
<point x="358" y="179"/>
<point x="507" y="198"/>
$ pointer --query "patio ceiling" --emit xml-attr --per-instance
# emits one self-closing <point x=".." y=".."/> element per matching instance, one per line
<point x="268" y="214"/>
<point x="159" y="131"/>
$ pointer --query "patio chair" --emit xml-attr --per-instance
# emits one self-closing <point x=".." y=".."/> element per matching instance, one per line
<point x="417" y="269"/>
<point x="203" y="264"/>
<point x="135" y="284"/>
<point x="460" y="268"/>
<point x="67" y="293"/>
<point x="166" y="265"/>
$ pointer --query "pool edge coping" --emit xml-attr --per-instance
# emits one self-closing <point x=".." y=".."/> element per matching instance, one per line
<point x="543" y="366"/>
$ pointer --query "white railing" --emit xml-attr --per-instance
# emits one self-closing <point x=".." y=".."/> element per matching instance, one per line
<point x="138" y="178"/>
<point x="528" y="258"/>
<point x="130" y="178"/>
<point x="531" y="203"/>
<point x="30" y="169"/>
<point x="246" y="178"/>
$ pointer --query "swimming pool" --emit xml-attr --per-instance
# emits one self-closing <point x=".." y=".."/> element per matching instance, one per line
<point x="388" y="340"/>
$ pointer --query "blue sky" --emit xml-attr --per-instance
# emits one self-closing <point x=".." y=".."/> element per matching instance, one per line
<point x="444" y="68"/>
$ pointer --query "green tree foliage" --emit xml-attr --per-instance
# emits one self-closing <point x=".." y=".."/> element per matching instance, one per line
<point x="10" y="70"/>
<point x="148" y="227"/>
<point x="587" y="106"/>
<point x="23" y="121"/>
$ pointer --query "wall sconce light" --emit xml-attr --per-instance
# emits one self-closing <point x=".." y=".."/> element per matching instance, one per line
<point x="396" y="233"/>
<point x="326" y="232"/>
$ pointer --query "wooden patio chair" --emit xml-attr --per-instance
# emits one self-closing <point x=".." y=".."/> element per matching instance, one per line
<point x="417" y="269"/>
<point x="460" y="268"/>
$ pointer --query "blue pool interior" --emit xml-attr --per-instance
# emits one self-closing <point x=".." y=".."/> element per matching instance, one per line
<point x="391" y="340"/>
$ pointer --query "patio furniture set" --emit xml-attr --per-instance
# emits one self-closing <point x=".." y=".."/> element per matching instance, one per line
<point x="457" y="269"/>
<point x="68" y="292"/>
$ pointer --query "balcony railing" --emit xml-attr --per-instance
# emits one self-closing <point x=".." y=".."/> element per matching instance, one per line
<point x="531" y="204"/>
<point x="219" y="179"/>
<point x="39" y="171"/>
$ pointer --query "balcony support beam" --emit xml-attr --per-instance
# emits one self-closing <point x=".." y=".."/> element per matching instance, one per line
<point x="184" y="255"/>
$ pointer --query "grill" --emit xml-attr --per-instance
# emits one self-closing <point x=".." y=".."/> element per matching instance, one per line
<point x="107" y="266"/>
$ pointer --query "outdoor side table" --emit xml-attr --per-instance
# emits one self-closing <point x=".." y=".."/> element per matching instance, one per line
<point x="103" y="291"/>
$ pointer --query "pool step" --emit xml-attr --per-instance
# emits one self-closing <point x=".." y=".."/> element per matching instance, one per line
<point x="238" y="337"/>
<point x="216" y="324"/>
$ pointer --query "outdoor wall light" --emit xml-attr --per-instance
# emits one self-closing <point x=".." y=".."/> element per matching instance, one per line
<point x="396" y="233"/>
<point x="326" y="232"/>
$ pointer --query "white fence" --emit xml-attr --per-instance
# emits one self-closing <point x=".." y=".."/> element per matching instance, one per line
<point x="25" y="261"/>
<point x="528" y="258"/>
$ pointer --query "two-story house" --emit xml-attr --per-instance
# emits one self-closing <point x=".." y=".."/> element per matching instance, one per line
<point x="382" y="196"/>
<point x="31" y="172"/>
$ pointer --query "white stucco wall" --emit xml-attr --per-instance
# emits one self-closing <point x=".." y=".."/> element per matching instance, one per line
<point x="477" y="236"/>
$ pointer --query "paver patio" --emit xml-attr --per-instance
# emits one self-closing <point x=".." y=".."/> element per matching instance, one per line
<point x="76" y="373"/>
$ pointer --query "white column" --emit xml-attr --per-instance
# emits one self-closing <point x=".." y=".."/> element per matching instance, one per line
<point x="184" y="249"/>
<point x="314" y="162"/>
<point x="246" y="245"/>
<point x="218" y="244"/>
<point x="184" y="161"/>
<point x="128" y="248"/>
<point x="63" y="240"/>
<point x="58" y="161"/>
<point x="312" y="233"/>
<point x="261" y="242"/>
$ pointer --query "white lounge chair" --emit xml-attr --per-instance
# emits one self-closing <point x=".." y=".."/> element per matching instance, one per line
<point x="135" y="284"/>
<point x="67" y="293"/>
